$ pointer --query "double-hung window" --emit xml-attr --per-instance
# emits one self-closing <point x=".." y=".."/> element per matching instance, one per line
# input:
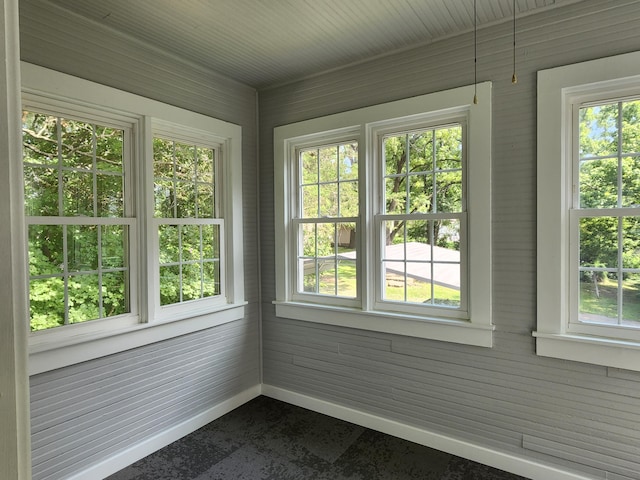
<point x="133" y="212"/>
<point x="589" y="212"/>
<point x="383" y="218"/>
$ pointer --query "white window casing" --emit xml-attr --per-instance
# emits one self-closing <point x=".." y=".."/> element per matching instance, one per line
<point x="561" y="92"/>
<point x="469" y="324"/>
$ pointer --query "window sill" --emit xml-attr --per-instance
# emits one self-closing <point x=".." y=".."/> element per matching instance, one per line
<point x="46" y="356"/>
<point x="607" y="352"/>
<point x="446" y="330"/>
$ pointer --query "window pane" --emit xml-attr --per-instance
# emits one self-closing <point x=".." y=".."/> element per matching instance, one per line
<point x="420" y="194"/>
<point x="446" y="266"/>
<point x="84" y="299"/>
<point x="308" y="234"/>
<point x="309" y="201"/>
<point x="82" y="247"/>
<point x="190" y="242"/>
<point x="449" y="192"/>
<point x="163" y="192"/>
<point x="185" y="200"/>
<point x="420" y="151"/>
<point x="599" y="130"/>
<point x="205" y="164"/>
<point x="348" y="153"/>
<point x="348" y="199"/>
<point x="599" y="242"/>
<point x="169" y="244"/>
<point x="630" y="122"/>
<point x="78" y="194"/>
<point x="185" y="162"/>
<point x="162" y="158"/>
<point x="109" y="147"/>
<point x="169" y="285"/>
<point x="327" y="270"/>
<point x="309" y="166"/>
<point x="308" y="267"/>
<point x="631" y="181"/>
<point x="631" y="242"/>
<point x="211" y="242"/>
<point x="114" y="294"/>
<point x="631" y="300"/>
<point x="328" y="200"/>
<point x="347" y="281"/>
<point x="114" y="246"/>
<point x="395" y="158"/>
<point x="40" y="191"/>
<point x="326" y="239"/>
<point x="211" y="279"/>
<point x="46" y="303"/>
<point x="449" y="148"/>
<point x="205" y="201"/>
<point x="395" y="195"/>
<point x="110" y="195"/>
<point x="191" y="282"/>
<point x="39" y="138"/>
<point x="599" y="183"/>
<point x="45" y="250"/>
<point x="77" y="144"/>
<point x="328" y="164"/>
<point x="598" y="297"/>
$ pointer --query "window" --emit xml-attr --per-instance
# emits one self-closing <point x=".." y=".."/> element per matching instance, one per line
<point x="373" y="212"/>
<point x="589" y="219"/>
<point x="134" y="219"/>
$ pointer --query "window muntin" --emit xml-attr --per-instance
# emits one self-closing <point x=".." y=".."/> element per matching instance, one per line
<point x="606" y="214"/>
<point x="75" y="184"/>
<point x="423" y="207"/>
<point x="326" y="221"/>
<point x="189" y="227"/>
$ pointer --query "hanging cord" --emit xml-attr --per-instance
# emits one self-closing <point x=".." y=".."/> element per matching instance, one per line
<point x="475" y="53"/>
<point x="514" y="77"/>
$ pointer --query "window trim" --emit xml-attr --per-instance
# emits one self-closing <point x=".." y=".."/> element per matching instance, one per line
<point x="446" y="104"/>
<point x="78" y="345"/>
<point x="559" y="89"/>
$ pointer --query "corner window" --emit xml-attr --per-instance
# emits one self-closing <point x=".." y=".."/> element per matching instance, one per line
<point x="589" y="218"/>
<point x="134" y="219"/>
<point x="375" y="221"/>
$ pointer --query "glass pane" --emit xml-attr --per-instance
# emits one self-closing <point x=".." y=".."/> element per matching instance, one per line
<point x="110" y="195"/>
<point x="599" y="183"/>
<point x="39" y="138"/>
<point x="185" y="200"/>
<point x="78" y="194"/>
<point x="327" y="269"/>
<point x="109" y="144"/>
<point x="631" y="300"/>
<point x="630" y="122"/>
<point x="169" y="285"/>
<point x="421" y="151"/>
<point x="169" y="244"/>
<point x="394" y="155"/>
<point x="348" y="153"/>
<point x="190" y="242"/>
<point x="347" y="240"/>
<point x="309" y="166"/>
<point x="449" y="148"/>
<point x="164" y="199"/>
<point x="308" y="236"/>
<point x="210" y="279"/>
<point x="204" y="164"/>
<point x="395" y="234"/>
<point x="631" y="242"/>
<point x="418" y="291"/>
<point x="326" y="239"/>
<point x="114" y="294"/>
<point x="631" y="181"/>
<point x="45" y="250"/>
<point x="46" y="303"/>
<point x="205" y="201"/>
<point x="599" y="130"/>
<point x="446" y="266"/>
<point x="395" y="195"/>
<point x="599" y="242"/>
<point x="84" y="299"/>
<point x="185" y="162"/>
<point x="347" y="282"/>
<point x="82" y="247"/>
<point x="328" y="200"/>
<point x="40" y="191"/>
<point x="348" y="199"/>
<point x="114" y="246"/>
<point x="328" y="162"/>
<point x="162" y="158"/>
<point x="308" y="268"/>
<point x="191" y="282"/>
<point x="77" y="144"/>
<point x="394" y="281"/>
<point x="598" y="297"/>
<point x="210" y="242"/>
<point x="421" y="194"/>
<point x="449" y="192"/>
<point x="309" y="201"/>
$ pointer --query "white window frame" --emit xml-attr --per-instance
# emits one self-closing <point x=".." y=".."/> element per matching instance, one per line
<point x="366" y="125"/>
<point x="67" y="345"/>
<point x="561" y="91"/>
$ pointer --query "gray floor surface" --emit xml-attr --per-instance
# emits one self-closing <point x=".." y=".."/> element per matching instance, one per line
<point x="266" y="439"/>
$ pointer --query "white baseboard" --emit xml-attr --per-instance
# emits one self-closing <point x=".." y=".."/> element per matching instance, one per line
<point x="477" y="453"/>
<point x="147" y="447"/>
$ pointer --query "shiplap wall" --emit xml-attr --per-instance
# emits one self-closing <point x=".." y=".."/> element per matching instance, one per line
<point x="581" y="417"/>
<point x="86" y="413"/>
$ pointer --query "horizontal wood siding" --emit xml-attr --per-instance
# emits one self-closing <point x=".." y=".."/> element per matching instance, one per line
<point x="582" y="417"/>
<point x="83" y="414"/>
